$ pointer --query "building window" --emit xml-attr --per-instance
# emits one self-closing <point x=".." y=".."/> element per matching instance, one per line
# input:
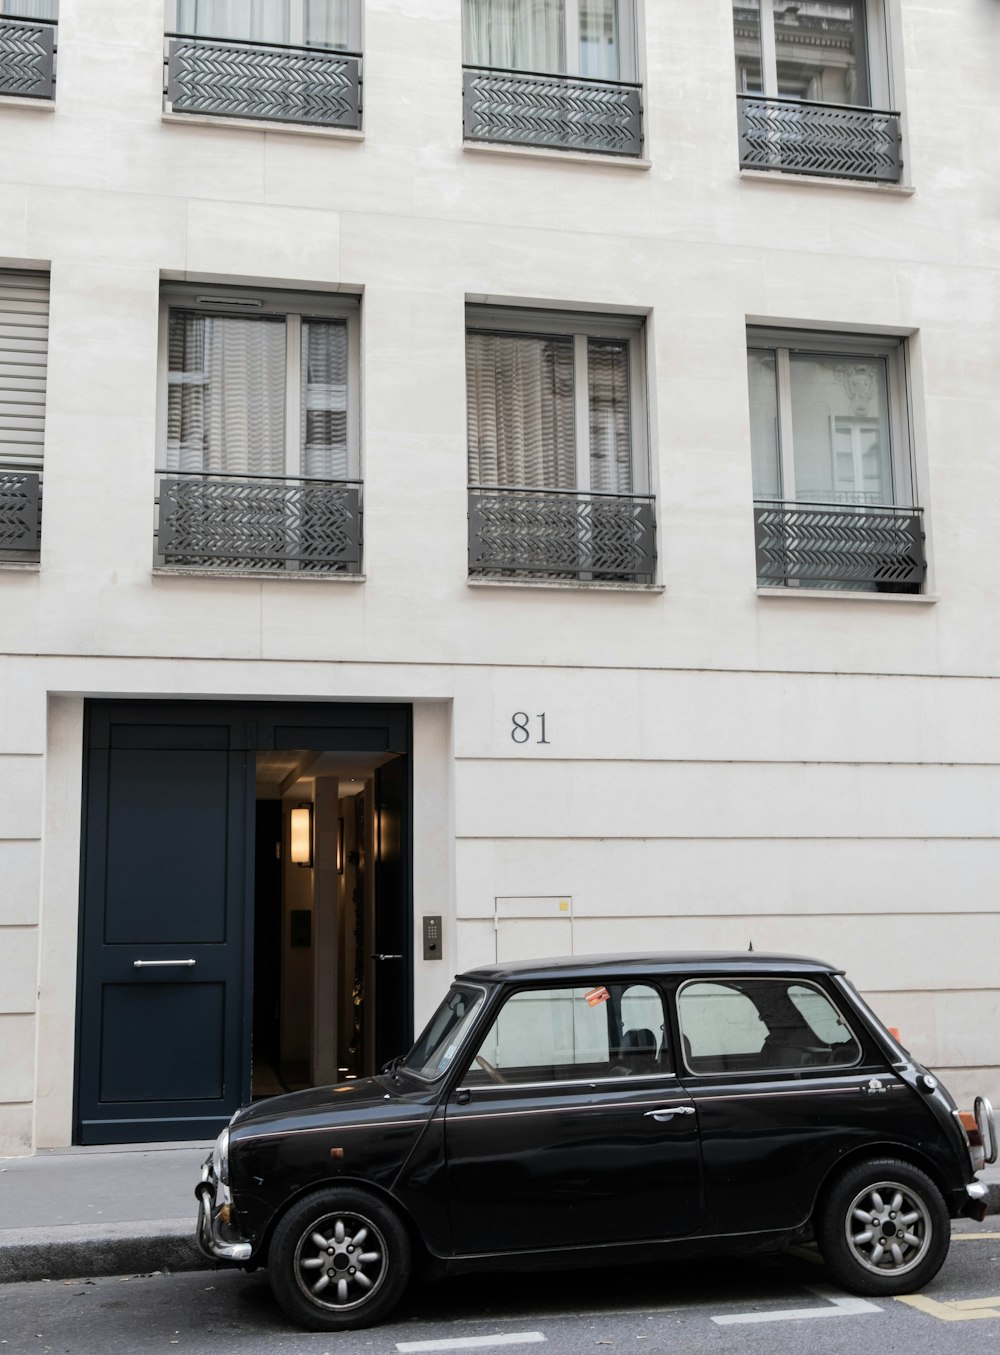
<point x="28" y="48"/>
<point x="24" y="335"/>
<point x="558" y="470"/>
<point x="832" y="468"/>
<point x="560" y="73"/>
<point x="813" y="81"/>
<point x="296" y="61"/>
<point x="259" y="459"/>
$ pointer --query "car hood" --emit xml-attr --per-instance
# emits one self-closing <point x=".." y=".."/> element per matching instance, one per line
<point x="342" y="1101"/>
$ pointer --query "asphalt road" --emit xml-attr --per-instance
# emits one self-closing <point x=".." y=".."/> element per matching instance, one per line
<point x="773" y="1306"/>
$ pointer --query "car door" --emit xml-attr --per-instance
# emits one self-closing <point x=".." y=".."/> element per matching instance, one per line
<point x="783" y="1087"/>
<point x="569" y="1126"/>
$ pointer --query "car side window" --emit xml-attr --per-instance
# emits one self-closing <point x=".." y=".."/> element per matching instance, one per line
<point x="570" y="1034"/>
<point x="761" y="1025"/>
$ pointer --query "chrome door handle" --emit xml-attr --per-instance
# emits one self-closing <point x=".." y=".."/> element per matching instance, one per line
<point x="667" y="1112"/>
<point x="388" y="957"/>
<point x="163" y="964"/>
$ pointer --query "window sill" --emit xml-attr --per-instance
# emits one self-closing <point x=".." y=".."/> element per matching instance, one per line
<point x="16" y="101"/>
<point x="893" y="190"/>
<point x="572" y="585"/>
<point x="263" y="125"/>
<point x="845" y="595"/>
<point x="555" y="153"/>
<point x="20" y="566"/>
<point x="250" y="576"/>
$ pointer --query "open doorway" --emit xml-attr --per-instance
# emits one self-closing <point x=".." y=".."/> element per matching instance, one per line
<point x="320" y="978"/>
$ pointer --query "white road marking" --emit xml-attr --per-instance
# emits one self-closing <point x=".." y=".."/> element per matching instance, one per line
<point x="512" y="1338"/>
<point x="842" y="1305"/>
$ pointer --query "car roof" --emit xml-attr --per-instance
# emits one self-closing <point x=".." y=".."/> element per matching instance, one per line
<point x="695" y="962"/>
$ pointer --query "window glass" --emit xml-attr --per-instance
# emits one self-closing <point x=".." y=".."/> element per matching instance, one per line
<point x="763" y="381"/>
<point x="433" y="1052"/>
<point x="313" y="23"/>
<point x="610" y="417"/>
<point x="521" y="411"/>
<point x="29" y="9"/>
<point x="746" y="29"/>
<point x="225" y="395"/>
<point x="599" y="39"/>
<point x="324" y="450"/>
<point x="756" y="1025"/>
<point x="821" y="50"/>
<point x="520" y="35"/>
<point x="840" y="427"/>
<point x="565" y="1034"/>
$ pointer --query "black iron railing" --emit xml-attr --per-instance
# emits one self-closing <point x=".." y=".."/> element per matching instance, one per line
<point x="259" y="523"/>
<point x="552" y="533"/>
<point x="20" y="511"/>
<point x="269" y="81"/>
<point x="826" y="545"/>
<point x="568" y="112"/>
<point x="28" y="58"/>
<point x="837" y="140"/>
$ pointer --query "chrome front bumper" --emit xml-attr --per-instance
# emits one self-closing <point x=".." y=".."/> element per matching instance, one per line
<point x="213" y="1222"/>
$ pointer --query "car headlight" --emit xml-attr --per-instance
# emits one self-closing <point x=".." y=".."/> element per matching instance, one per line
<point x="220" y="1158"/>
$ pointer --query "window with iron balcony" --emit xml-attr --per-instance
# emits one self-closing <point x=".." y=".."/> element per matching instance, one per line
<point x="28" y="48"/>
<point x="558" y="467"/>
<point x="562" y="74"/>
<point x="284" y="61"/>
<point x="24" y="332"/>
<point x="258" y="456"/>
<point x="814" y="89"/>
<point x="833" y="483"/>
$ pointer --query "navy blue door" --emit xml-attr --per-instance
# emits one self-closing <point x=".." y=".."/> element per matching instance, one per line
<point x="167" y="894"/>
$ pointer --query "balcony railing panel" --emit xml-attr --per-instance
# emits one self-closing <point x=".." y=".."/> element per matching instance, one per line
<point x="567" y="112"/>
<point x="27" y="59"/>
<point x="250" y="80"/>
<point x="561" y="534"/>
<point x="822" y="545"/>
<point x="260" y="524"/>
<point x="811" y="138"/>
<point x="20" y="510"/>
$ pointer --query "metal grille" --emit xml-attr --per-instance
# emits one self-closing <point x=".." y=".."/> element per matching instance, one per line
<point x="552" y="110"/>
<point x="822" y="545"/>
<point x="249" y="80"/>
<point x="561" y="534"/>
<point x="20" y="510"/>
<point x="811" y="138"/>
<point x="260" y="524"/>
<point x="27" y="59"/>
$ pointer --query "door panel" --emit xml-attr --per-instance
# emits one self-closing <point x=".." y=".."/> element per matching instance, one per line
<point x="153" y="1045"/>
<point x="391" y="949"/>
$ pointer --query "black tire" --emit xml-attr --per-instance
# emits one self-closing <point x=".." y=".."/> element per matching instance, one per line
<point x="359" y="1273"/>
<point x="883" y="1228"/>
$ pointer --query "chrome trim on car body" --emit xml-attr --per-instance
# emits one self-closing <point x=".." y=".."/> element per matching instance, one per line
<point x="208" y="1234"/>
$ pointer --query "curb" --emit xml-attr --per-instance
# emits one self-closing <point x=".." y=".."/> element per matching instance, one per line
<point x="32" y="1254"/>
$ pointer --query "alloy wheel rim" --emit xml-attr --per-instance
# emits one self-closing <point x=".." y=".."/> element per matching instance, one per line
<point x="888" y="1228"/>
<point x="340" y="1261"/>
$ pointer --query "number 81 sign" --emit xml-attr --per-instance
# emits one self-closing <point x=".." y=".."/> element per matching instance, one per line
<point x="521" y="728"/>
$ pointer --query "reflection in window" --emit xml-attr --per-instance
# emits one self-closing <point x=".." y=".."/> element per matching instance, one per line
<point x="816" y="50"/>
<point x="300" y="23"/>
<point x="556" y="37"/>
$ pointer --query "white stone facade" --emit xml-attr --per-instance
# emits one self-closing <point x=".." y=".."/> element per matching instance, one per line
<point x="815" y="774"/>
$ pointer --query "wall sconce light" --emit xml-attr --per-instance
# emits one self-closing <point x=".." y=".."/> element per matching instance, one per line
<point x="301" y="835"/>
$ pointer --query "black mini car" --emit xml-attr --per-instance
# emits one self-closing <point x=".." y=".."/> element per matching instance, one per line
<point x="586" y="1111"/>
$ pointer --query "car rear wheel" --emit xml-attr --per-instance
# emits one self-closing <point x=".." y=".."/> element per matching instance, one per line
<point x="339" y="1259"/>
<point x="884" y="1228"/>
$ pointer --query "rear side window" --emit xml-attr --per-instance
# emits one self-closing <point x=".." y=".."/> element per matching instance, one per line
<point x="760" y="1025"/>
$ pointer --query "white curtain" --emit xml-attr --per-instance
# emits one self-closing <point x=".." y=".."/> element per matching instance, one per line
<point x="610" y="417"/>
<point x="226" y="395"/>
<point x="521" y="411"/>
<point x="30" y="9"/>
<point x="327" y="23"/>
<point x="249" y="20"/>
<point x="524" y="35"/>
<point x="600" y="44"/>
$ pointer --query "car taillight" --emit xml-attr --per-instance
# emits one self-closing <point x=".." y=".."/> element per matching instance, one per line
<point x="976" y="1148"/>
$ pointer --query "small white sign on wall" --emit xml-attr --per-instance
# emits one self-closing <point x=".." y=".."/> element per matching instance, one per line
<point x="533" y="927"/>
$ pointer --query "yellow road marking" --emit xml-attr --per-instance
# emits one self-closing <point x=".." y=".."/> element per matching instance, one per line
<point x="965" y="1237"/>
<point x="958" y="1310"/>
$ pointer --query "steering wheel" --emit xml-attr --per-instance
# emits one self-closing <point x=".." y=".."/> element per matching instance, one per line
<point x="492" y="1073"/>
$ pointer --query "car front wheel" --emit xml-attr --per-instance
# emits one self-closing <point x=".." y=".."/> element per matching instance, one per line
<point x="339" y="1259"/>
<point x="884" y="1228"/>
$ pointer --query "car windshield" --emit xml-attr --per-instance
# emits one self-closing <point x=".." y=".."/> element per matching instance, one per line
<point x="437" y="1046"/>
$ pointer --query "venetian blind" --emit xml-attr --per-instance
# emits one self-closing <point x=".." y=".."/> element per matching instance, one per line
<point x="324" y="399"/>
<point x="24" y="336"/>
<point x="610" y="417"/>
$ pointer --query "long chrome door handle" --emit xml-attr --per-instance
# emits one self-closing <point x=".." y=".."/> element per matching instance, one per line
<point x="163" y="964"/>
<point x="667" y="1112"/>
<point x="388" y="957"/>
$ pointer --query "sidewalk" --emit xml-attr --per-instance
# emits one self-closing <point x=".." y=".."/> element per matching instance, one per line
<point x="80" y="1212"/>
